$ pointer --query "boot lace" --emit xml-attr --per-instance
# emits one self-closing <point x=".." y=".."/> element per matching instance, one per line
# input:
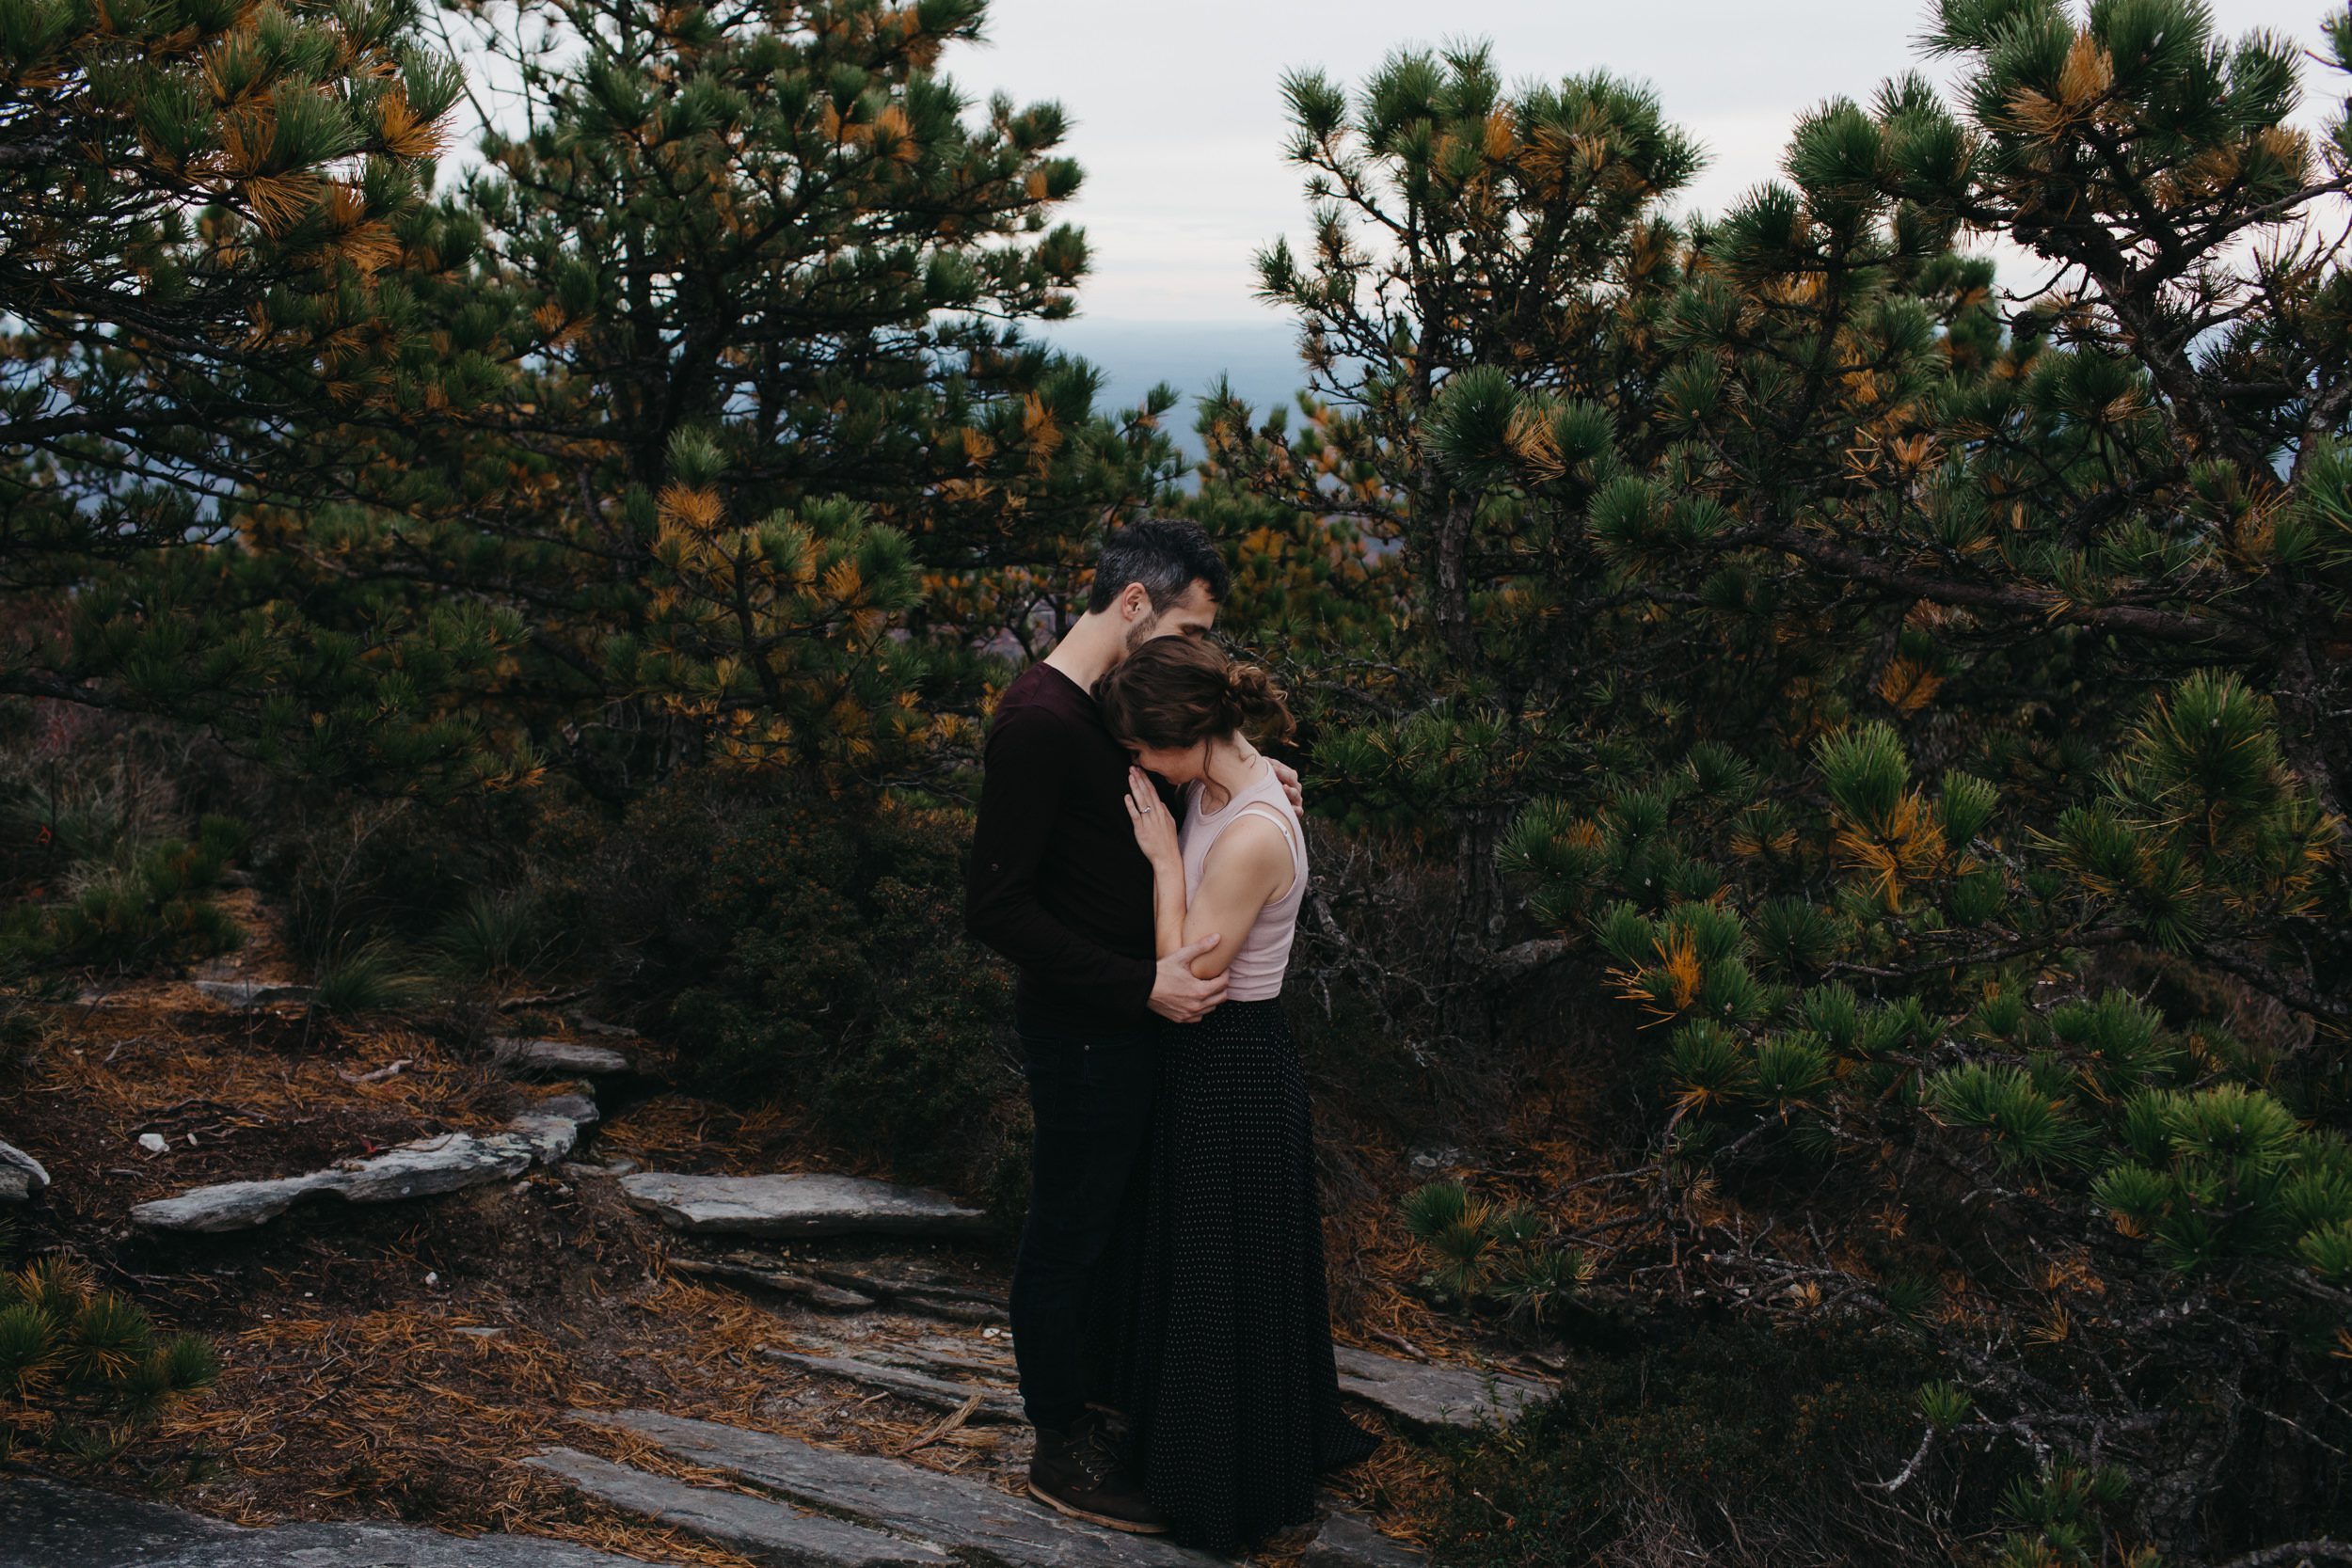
<point x="1095" y="1453"/>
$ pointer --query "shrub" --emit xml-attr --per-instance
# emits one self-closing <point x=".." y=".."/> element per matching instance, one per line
<point x="846" y="986"/>
<point x="369" y="976"/>
<point x="80" y="1368"/>
<point x="142" y="905"/>
<point x="1712" y="1442"/>
<point x="492" y="936"/>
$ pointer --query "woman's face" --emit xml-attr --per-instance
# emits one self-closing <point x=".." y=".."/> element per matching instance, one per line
<point x="1177" y="768"/>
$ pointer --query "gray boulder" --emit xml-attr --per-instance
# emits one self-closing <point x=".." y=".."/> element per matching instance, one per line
<point x="246" y="995"/>
<point x="961" y="1514"/>
<point x="755" y="1526"/>
<point x="21" y="1175"/>
<point x="550" y="1137"/>
<point x="1346" y="1540"/>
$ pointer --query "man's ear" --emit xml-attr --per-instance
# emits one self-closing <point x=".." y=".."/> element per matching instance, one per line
<point x="1134" y="601"/>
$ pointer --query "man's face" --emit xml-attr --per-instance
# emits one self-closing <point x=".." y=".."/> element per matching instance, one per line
<point x="1190" y="616"/>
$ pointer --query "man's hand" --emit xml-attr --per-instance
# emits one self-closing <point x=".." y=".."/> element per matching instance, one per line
<point x="1181" y="996"/>
<point x="1287" y="776"/>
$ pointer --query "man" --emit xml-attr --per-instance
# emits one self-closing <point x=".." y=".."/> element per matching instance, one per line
<point x="1058" y="886"/>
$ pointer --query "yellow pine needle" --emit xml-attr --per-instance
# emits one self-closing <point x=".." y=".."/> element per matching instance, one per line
<point x="2054" y="1328"/>
<point x="690" y="506"/>
<point x="2089" y="72"/>
<point x="844" y="583"/>
<point x="1908" y="685"/>
<point x="405" y="133"/>
<point x="1905" y="848"/>
<point x="1529" y="436"/>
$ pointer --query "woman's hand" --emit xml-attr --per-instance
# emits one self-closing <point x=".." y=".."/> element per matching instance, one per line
<point x="1155" y="830"/>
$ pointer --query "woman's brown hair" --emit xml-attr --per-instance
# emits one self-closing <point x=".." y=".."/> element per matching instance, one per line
<point x="1174" y="693"/>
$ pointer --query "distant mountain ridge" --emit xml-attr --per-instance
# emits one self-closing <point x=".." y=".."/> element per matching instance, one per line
<point x="1259" y="357"/>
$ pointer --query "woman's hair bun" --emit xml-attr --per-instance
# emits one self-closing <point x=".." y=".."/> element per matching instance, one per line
<point x="1258" y="701"/>
<point x="1176" y="692"/>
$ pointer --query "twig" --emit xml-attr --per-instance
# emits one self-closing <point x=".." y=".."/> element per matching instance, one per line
<point x="938" y="1429"/>
<point x="1927" y="1441"/>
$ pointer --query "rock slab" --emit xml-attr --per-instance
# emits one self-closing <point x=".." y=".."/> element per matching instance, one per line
<point x="756" y="1526"/>
<point x="997" y="1402"/>
<point x="21" y="1175"/>
<point x="797" y="1205"/>
<point x="561" y="1058"/>
<point x="1426" y="1395"/>
<point x="1346" y="1540"/>
<point x="246" y="995"/>
<point x="954" y="1512"/>
<point x="45" y="1523"/>
<point x="428" y="1166"/>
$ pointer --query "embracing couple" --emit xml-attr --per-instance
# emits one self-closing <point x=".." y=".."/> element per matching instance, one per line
<point x="1142" y="864"/>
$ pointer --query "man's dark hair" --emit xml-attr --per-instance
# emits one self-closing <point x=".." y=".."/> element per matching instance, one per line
<point x="1166" y="555"/>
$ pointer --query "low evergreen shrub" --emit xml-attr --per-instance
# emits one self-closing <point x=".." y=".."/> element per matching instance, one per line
<point x="846" y="986"/>
<point x="82" y="1368"/>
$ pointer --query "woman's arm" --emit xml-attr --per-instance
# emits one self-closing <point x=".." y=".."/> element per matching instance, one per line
<point x="1155" y="834"/>
<point x="1249" y="866"/>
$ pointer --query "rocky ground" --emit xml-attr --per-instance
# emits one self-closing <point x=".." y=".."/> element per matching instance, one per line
<point x="521" y="1303"/>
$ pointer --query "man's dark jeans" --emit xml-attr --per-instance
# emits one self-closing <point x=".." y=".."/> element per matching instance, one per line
<point x="1091" y="1095"/>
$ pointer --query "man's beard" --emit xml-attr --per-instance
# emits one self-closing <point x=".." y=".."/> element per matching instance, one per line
<point x="1140" y="633"/>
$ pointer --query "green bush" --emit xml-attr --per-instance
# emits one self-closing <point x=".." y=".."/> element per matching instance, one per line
<point x="1718" y="1443"/>
<point x="142" y="905"/>
<point x="368" y="976"/>
<point x="846" y="986"/>
<point x="82" y="1368"/>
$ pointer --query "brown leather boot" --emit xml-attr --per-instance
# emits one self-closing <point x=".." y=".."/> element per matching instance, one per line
<point x="1077" y="1471"/>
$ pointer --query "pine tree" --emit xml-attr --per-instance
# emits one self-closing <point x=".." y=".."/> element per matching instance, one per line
<point x="1486" y="271"/>
<point x="199" y="197"/>
<point x="768" y="446"/>
<point x="1877" y="682"/>
<point x="696" y="423"/>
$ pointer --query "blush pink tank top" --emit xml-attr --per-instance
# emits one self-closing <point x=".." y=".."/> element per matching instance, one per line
<point x="1256" y="972"/>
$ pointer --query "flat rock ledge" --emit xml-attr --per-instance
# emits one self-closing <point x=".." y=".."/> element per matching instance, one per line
<point x="21" y="1175"/>
<point x="757" y="1527"/>
<point x="46" y="1524"/>
<point x="248" y="995"/>
<point x="1427" y="1395"/>
<point x="943" y="1374"/>
<point x="797" y="1205"/>
<point x="561" y="1058"/>
<point x="956" y="1514"/>
<point x="446" y="1163"/>
<point x="1346" y="1540"/>
<point x="990" y="1401"/>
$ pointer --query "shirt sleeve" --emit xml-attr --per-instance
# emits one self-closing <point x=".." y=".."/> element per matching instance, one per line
<point x="1024" y="773"/>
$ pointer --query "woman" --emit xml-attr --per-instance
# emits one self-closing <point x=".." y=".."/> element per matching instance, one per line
<point x="1229" y="1376"/>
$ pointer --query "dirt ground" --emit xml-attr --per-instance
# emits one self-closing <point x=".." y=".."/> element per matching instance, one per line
<point x="397" y="1360"/>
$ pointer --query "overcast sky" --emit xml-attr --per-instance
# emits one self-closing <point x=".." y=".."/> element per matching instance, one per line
<point x="1178" y="113"/>
<point x="1177" y="119"/>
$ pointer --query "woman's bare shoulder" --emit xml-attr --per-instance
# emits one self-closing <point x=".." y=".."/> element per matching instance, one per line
<point x="1252" y="844"/>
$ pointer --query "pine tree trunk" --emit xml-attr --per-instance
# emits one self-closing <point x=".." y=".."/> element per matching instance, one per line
<point x="1450" y="590"/>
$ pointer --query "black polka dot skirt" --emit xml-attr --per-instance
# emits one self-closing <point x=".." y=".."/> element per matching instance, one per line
<point x="1226" y="1369"/>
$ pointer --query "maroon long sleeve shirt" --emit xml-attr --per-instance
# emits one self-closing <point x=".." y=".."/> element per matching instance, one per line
<point x="1056" y="884"/>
